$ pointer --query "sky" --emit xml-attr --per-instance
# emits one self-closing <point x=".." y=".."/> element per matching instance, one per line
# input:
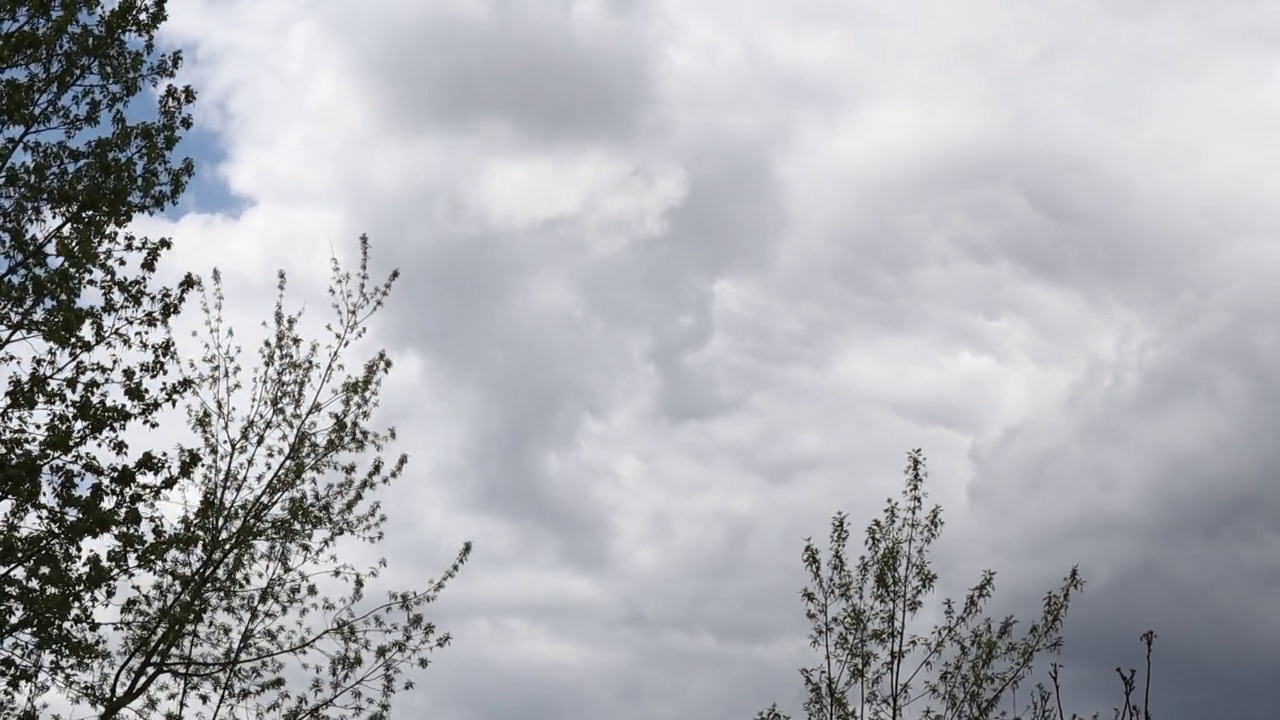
<point x="683" y="279"/>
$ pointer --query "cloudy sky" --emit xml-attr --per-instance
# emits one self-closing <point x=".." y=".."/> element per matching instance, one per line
<point x="681" y="279"/>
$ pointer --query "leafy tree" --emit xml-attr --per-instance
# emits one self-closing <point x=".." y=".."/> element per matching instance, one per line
<point x="241" y="605"/>
<point x="84" y="341"/>
<point x="869" y="666"/>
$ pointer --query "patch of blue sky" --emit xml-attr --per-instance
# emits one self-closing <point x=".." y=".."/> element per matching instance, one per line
<point x="208" y="191"/>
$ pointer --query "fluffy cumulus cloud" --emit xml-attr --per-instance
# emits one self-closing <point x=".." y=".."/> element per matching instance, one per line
<point x="683" y="279"/>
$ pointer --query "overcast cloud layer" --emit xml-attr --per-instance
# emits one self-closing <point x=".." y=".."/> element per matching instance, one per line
<point x="683" y="279"/>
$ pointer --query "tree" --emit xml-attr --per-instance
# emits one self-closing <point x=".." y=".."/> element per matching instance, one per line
<point x="84" y="341"/>
<point x="242" y="606"/>
<point x="869" y="666"/>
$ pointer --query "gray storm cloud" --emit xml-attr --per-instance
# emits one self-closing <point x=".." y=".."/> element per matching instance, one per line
<point x="682" y="280"/>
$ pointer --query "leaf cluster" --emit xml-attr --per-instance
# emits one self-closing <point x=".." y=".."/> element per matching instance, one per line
<point x="240" y="605"/>
<point x="84" y="339"/>
<point x="871" y="667"/>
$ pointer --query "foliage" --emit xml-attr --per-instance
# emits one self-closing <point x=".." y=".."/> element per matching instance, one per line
<point x="84" y="340"/>
<point x="241" y="606"/>
<point x="870" y="667"/>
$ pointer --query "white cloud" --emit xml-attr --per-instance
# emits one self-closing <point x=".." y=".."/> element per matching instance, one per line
<point x="683" y="279"/>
